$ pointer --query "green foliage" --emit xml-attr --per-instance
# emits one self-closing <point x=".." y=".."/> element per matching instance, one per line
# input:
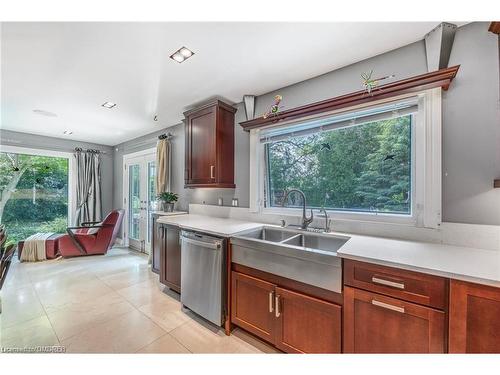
<point x="58" y="225"/>
<point x="38" y="202"/>
<point x="168" y="197"/>
<point x="360" y="168"/>
<point x="20" y="230"/>
<point x="42" y="210"/>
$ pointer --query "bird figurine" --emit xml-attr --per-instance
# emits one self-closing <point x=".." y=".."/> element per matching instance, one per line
<point x="275" y="108"/>
<point x="369" y="83"/>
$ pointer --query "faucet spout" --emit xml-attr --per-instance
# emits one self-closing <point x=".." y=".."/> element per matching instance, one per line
<point x="305" y="220"/>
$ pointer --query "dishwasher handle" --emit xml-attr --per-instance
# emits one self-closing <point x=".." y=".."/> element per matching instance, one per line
<point x="216" y="245"/>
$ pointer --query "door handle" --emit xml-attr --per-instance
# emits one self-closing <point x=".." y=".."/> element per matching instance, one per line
<point x="388" y="306"/>
<point x="277" y="312"/>
<point x="271" y="297"/>
<point x="212" y="171"/>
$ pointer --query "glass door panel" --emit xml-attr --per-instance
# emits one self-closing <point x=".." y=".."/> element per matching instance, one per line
<point x="151" y="195"/>
<point x="134" y="205"/>
<point x="140" y="179"/>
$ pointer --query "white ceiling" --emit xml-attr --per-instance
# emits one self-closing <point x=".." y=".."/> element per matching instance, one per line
<point x="70" y="69"/>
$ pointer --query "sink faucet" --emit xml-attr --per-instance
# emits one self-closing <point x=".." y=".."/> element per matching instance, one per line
<point x="327" y="220"/>
<point x="305" y="220"/>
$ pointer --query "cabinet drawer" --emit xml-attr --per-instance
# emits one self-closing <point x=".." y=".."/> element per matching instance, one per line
<point x="407" y="285"/>
<point x="374" y="323"/>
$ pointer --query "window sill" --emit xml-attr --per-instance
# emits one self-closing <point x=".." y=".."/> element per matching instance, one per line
<point x="359" y="217"/>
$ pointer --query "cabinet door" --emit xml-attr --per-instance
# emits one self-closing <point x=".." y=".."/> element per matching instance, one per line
<point x="156" y="244"/>
<point x="306" y="324"/>
<point x="173" y="258"/>
<point x="163" y="254"/>
<point x="252" y="305"/>
<point x="374" y="323"/>
<point x="201" y="151"/>
<point x="474" y="318"/>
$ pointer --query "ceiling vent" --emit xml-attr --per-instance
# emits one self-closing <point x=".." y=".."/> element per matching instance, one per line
<point x="438" y="44"/>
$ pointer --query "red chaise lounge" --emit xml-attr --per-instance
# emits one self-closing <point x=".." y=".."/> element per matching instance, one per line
<point x="95" y="238"/>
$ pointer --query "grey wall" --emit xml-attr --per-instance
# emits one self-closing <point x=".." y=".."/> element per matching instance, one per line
<point x="186" y="196"/>
<point x="471" y="126"/>
<point x="65" y="145"/>
<point x="471" y="129"/>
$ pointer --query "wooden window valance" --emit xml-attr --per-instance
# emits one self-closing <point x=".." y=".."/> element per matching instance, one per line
<point x="439" y="78"/>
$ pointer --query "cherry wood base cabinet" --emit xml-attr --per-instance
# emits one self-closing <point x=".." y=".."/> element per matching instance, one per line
<point x="170" y="256"/>
<point x="293" y="322"/>
<point x="474" y="318"/>
<point x="209" y="158"/>
<point x="390" y="310"/>
<point x="374" y="323"/>
<point x="156" y="244"/>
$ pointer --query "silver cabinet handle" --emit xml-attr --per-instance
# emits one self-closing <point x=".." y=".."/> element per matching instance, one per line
<point x="271" y="294"/>
<point x="277" y="312"/>
<point x="393" y="284"/>
<point x="388" y="306"/>
<point x="212" y="171"/>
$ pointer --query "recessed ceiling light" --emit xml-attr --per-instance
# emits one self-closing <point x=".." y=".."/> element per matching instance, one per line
<point x="108" y="105"/>
<point x="182" y="54"/>
<point x="68" y="132"/>
<point x="44" y="113"/>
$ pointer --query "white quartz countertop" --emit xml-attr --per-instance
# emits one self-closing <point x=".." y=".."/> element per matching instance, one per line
<point x="170" y="213"/>
<point x="223" y="227"/>
<point x="456" y="262"/>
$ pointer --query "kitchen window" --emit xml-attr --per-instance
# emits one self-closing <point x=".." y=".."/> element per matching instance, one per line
<point x="379" y="163"/>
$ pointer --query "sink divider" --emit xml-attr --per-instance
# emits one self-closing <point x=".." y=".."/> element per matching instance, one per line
<point x="298" y="235"/>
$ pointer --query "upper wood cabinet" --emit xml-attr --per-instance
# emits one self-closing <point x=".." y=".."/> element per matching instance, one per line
<point x="474" y="318"/>
<point x="209" y="132"/>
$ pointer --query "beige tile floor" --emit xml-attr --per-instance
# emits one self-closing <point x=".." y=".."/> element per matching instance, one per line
<point x="106" y="304"/>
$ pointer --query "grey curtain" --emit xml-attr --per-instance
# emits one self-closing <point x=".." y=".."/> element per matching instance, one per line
<point x="88" y="186"/>
<point x="163" y="166"/>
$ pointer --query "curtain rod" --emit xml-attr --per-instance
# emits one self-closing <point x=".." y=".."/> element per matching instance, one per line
<point x="79" y="149"/>
<point x="165" y="136"/>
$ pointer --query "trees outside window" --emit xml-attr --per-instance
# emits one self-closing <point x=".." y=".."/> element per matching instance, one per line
<point x="33" y="194"/>
<point x="364" y="168"/>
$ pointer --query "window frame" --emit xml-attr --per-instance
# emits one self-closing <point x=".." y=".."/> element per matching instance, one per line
<point x="58" y="154"/>
<point x="425" y="177"/>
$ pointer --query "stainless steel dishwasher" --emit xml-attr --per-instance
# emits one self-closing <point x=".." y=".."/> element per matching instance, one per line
<point x="202" y="272"/>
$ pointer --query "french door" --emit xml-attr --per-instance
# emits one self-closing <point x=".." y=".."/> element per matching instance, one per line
<point x="139" y="195"/>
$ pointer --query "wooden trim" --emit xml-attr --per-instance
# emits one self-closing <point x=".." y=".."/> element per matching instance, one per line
<point x="293" y="285"/>
<point x="496" y="183"/>
<point x="218" y="103"/>
<point x="214" y="185"/>
<point x="440" y="78"/>
<point x="495" y="27"/>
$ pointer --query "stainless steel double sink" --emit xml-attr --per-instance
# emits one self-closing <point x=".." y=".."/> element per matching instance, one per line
<point x="299" y="255"/>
